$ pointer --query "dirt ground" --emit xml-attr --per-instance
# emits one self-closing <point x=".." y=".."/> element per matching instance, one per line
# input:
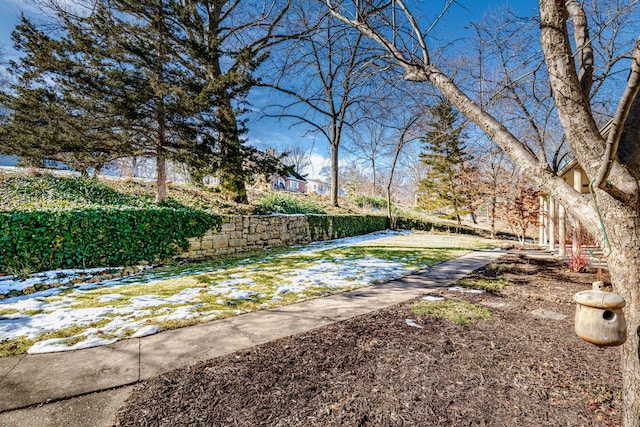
<point x="514" y="369"/>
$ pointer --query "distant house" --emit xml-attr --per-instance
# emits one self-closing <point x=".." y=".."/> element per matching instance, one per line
<point x="294" y="183"/>
<point x="318" y="187"/>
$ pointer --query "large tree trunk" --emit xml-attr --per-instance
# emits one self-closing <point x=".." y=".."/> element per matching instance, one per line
<point x="232" y="174"/>
<point x="624" y="266"/>
<point x="161" y="178"/>
<point x="334" y="174"/>
<point x="161" y="162"/>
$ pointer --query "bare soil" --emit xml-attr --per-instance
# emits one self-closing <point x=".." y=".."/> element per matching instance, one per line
<point x="376" y="370"/>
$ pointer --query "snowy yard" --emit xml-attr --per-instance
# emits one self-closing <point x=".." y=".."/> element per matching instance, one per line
<point x="81" y="315"/>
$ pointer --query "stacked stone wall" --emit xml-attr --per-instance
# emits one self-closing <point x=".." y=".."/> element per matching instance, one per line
<point x="249" y="234"/>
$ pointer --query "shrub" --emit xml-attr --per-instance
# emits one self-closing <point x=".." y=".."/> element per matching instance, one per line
<point x="406" y="223"/>
<point x="578" y="260"/>
<point x="283" y="203"/>
<point x="370" y="202"/>
<point x="43" y="240"/>
<point x="337" y="226"/>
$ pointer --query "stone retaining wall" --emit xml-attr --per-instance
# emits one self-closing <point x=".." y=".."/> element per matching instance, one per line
<point x="250" y="233"/>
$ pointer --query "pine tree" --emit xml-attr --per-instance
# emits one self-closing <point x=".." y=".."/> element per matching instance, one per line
<point x="166" y="102"/>
<point x="163" y="78"/>
<point x="228" y="40"/>
<point x="47" y="119"/>
<point x="447" y="162"/>
<point x="111" y="83"/>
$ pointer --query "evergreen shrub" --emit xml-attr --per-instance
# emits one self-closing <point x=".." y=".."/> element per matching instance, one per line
<point x="406" y="223"/>
<point x="338" y="226"/>
<point x="36" y="240"/>
<point x="369" y="202"/>
<point x="283" y="203"/>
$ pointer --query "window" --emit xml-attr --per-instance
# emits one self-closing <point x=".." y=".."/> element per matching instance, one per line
<point x="293" y="185"/>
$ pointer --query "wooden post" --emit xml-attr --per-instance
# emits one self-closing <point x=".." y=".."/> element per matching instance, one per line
<point x="562" y="230"/>
<point x="552" y="225"/>
<point x="541" y="233"/>
<point x="577" y="185"/>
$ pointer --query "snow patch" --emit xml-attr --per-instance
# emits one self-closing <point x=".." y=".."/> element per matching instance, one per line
<point x="146" y="330"/>
<point x="413" y="324"/>
<point x="432" y="298"/>
<point x="110" y="297"/>
<point x="467" y="290"/>
<point x="58" y="344"/>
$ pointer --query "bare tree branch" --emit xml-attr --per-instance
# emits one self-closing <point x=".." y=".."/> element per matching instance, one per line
<point x="618" y="122"/>
<point x="584" y="50"/>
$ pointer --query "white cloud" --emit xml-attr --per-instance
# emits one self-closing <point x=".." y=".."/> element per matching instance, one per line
<point x="317" y="163"/>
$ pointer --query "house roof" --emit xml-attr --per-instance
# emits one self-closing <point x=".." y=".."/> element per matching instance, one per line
<point x="317" y="181"/>
<point x="604" y="131"/>
<point x="568" y="167"/>
<point x="297" y="176"/>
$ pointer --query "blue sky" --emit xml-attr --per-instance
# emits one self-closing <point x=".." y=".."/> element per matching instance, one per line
<point x="269" y="133"/>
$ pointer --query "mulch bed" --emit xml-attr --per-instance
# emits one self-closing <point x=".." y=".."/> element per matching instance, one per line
<point x="375" y="370"/>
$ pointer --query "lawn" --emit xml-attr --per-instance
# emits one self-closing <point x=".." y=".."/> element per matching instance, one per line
<point x="80" y="315"/>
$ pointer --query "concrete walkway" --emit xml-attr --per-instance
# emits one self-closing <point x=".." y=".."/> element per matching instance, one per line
<point x="86" y="387"/>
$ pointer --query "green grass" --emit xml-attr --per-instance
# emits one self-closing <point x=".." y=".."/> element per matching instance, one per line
<point x="264" y="272"/>
<point x="500" y="267"/>
<point x="486" y="284"/>
<point x="454" y="311"/>
<point x="15" y="346"/>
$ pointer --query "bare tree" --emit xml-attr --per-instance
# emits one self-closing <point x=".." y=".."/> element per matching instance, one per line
<point x="521" y="211"/>
<point x="493" y="165"/>
<point x="611" y="161"/>
<point x="405" y="134"/>
<point x="368" y="144"/>
<point x="298" y="156"/>
<point x="330" y="57"/>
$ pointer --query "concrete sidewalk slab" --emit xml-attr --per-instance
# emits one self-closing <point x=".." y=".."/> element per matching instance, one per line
<point x="7" y="364"/>
<point x="177" y="348"/>
<point x="45" y="377"/>
<point x="92" y="410"/>
<point x="34" y="379"/>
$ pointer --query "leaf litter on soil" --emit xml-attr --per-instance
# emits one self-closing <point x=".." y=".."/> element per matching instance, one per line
<point x="378" y="369"/>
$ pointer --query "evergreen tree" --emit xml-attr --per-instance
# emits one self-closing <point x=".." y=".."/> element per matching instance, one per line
<point x="164" y="78"/>
<point x="228" y="40"/>
<point x="49" y="120"/>
<point x="447" y="162"/>
<point x="166" y="104"/>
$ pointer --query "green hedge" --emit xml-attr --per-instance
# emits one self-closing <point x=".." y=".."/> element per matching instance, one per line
<point x="338" y="226"/>
<point x="370" y="202"/>
<point x="45" y="240"/>
<point x="405" y="223"/>
<point x="285" y="203"/>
